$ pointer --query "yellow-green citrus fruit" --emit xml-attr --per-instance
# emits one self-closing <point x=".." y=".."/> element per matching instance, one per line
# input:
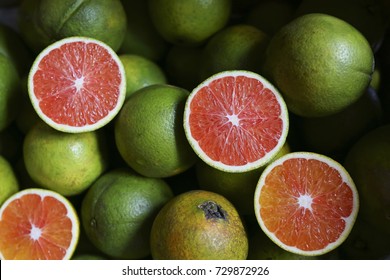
<point x="118" y="211"/>
<point x="9" y="183"/>
<point x="198" y="225"/>
<point x="42" y="22"/>
<point x="67" y="163"/>
<point x="236" y="47"/>
<point x="368" y="162"/>
<point x="320" y="63"/>
<point x="189" y="22"/>
<point x="9" y="92"/>
<point x="140" y="72"/>
<point x="141" y="37"/>
<point x="149" y="131"/>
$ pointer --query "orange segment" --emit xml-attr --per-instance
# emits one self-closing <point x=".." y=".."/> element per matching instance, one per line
<point x="37" y="225"/>
<point x="306" y="202"/>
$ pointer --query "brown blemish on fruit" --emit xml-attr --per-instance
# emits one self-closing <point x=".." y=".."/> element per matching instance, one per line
<point x="212" y="210"/>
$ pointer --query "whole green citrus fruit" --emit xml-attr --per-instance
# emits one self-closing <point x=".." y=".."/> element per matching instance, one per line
<point x="67" y="163"/>
<point x="149" y="131"/>
<point x="198" y="225"/>
<point x="42" y="22"/>
<point x="368" y="162"/>
<point x="320" y="63"/>
<point x="118" y="211"/>
<point x="189" y="22"/>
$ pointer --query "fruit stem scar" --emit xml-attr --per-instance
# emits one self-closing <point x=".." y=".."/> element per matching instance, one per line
<point x="212" y="210"/>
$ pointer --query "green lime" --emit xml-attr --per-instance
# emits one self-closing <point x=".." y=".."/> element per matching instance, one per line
<point x="149" y="132"/>
<point x="118" y="211"/>
<point x="67" y="163"/>
<point x="189" y="22"/>
<point x="320" y="63"/>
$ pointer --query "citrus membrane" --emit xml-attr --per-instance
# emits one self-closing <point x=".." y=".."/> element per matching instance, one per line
<point x="38" y="224"/>
<point x="306" y="203"/>
<point x="77" y="84"/>
<point x="236" y="121"/>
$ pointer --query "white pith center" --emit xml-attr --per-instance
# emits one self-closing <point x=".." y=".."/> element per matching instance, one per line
<point x="78" y="83"/>
<point x="305" y="201"/>
<point x="234" y="119"/>
<point x="35" y="232"/>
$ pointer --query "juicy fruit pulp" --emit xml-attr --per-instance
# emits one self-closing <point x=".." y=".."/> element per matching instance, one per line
<point x="38" y="224"/>
<point x="236" y="121"/>
<point x="306" y="203"/>
<point x="198" y="225"/>
<point x="77" y="84"/>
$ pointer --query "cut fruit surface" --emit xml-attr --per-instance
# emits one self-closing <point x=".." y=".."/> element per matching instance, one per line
<point x="236" y="121"/>
<point x="77" y="84"/>
<point x="38" y="224"/>
<point x="306" y="203"/>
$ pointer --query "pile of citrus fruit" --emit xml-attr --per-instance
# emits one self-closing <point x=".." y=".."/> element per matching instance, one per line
<point x="194" y="129"/>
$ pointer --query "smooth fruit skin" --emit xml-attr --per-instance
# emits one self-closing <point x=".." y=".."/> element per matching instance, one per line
<point x="118" y="211"/>
<point x="149" y="132"/>
<point x="189" y="22"/>
<point x="67" y="163"/>
<point x="320" y="63"/>
<point x="42" y="22"/>
<point x="9" y="182"/>
<point x="198" y="225"/>
<point x="368" y="162"/>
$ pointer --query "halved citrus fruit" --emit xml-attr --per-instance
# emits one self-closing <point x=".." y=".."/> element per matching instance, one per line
<point x="306" y="203"/>
<point x="38" y="224"/>
<point x="77" y="84"/>
<point x="236" y="121"/>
